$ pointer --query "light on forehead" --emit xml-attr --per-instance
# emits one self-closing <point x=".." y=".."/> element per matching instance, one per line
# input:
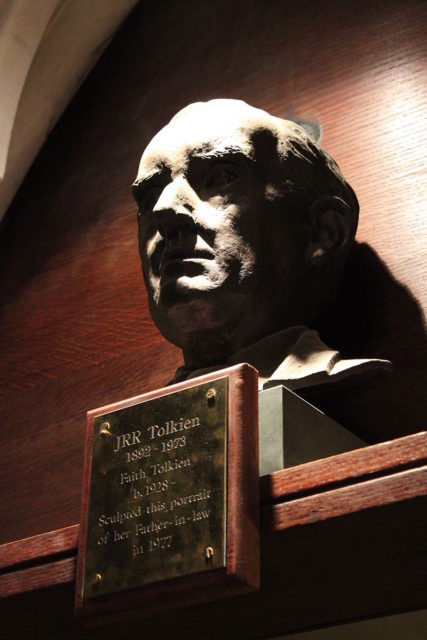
<point x="219" y="119"/>
<point x="226" y="109"/>
<point x="195" y="134"/>
<point x="203" y="130"/>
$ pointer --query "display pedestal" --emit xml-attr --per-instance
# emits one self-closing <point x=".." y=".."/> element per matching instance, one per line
<point x="292" y="431"/>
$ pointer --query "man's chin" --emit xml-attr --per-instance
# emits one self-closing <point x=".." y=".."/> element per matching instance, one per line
<point x="185" y="291"/>
<point x="184" y="312"/>
<point x="194" y="313"/>
<point x="190" y="309"/>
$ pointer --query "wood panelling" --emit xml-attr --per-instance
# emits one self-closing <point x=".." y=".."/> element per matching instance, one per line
<point x="74" y="329"/>
<point x="39" y="548"/>
<point x="38" y="577"/>
<point x="355" y="547"/>
<point x="344" y="469"/>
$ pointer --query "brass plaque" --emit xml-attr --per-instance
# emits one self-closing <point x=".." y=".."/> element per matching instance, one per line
<point x="157" y="502"/>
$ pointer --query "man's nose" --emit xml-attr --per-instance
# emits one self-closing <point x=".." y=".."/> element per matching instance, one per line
<point x="174" y="208"/>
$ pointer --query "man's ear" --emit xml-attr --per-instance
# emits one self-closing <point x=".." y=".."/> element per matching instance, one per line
<point x="331" y="223"/>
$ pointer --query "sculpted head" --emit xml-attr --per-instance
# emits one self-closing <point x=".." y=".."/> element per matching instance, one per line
<point x="245" y="224"/>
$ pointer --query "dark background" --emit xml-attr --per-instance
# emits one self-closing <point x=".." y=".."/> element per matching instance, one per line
<point x="75" y="332"/>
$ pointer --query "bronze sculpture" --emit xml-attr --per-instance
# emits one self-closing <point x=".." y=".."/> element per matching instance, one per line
<point x="245" y="225"/>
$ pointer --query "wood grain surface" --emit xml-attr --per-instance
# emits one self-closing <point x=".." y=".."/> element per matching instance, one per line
<point x="337" y="502"/>
<point x="38" y="577"/>
<point x="344" y="469"/>
<point x="44" y="547"/>
<point x="353" y="550"/>
<point x="347" y="483"/>
<point x="75" y="332"/>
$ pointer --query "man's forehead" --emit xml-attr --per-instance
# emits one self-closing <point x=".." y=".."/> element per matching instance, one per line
<point x="175" y="145"/>
<point x="214" y="128"/>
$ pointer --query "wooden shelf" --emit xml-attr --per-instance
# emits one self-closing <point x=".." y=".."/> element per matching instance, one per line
<point x="342" y="538"/>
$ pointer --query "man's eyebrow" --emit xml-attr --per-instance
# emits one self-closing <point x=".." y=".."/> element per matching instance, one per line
<point x="146" y="178"/>
<point x="141" y="182"/>
<point x="221" y="152"/>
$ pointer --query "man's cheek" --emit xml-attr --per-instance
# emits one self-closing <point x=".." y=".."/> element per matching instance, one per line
<point x="154" y="287"/>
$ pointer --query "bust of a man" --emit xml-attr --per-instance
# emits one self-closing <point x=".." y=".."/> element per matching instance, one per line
<point x="245" y="225"/>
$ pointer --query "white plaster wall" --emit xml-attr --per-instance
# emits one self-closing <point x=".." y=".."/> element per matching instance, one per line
<point x="47" y="47"/>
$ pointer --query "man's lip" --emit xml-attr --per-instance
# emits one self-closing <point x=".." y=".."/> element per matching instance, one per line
<point x="177" y="255"/>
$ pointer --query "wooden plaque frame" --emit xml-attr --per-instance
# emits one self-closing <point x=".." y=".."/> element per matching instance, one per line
<point x="241" y="571"/>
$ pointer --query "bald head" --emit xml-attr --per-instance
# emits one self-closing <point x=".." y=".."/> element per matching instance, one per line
<point x="283" y="146"/>
<point x="244" y="226"/>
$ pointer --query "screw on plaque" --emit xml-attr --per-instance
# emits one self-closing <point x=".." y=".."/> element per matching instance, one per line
<point x="210" y="396"/>
<point x="96" y="579"/>
<point x="105" y="430"/>
<point x="209" y="553"/>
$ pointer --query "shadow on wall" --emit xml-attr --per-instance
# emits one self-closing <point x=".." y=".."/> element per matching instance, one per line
<point x="376" y="316"/>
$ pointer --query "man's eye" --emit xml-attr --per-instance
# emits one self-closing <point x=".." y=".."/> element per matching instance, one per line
<point x="221" y="176"/>
<point x="148" y="198"/>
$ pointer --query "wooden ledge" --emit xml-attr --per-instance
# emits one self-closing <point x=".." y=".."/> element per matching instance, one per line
<point x="44" y="547"/>
<point x="370" y="478"/>
<point x="344" y="469"/>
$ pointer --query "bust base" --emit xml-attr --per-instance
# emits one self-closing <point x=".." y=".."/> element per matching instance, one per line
<point x="292" y="431"/>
